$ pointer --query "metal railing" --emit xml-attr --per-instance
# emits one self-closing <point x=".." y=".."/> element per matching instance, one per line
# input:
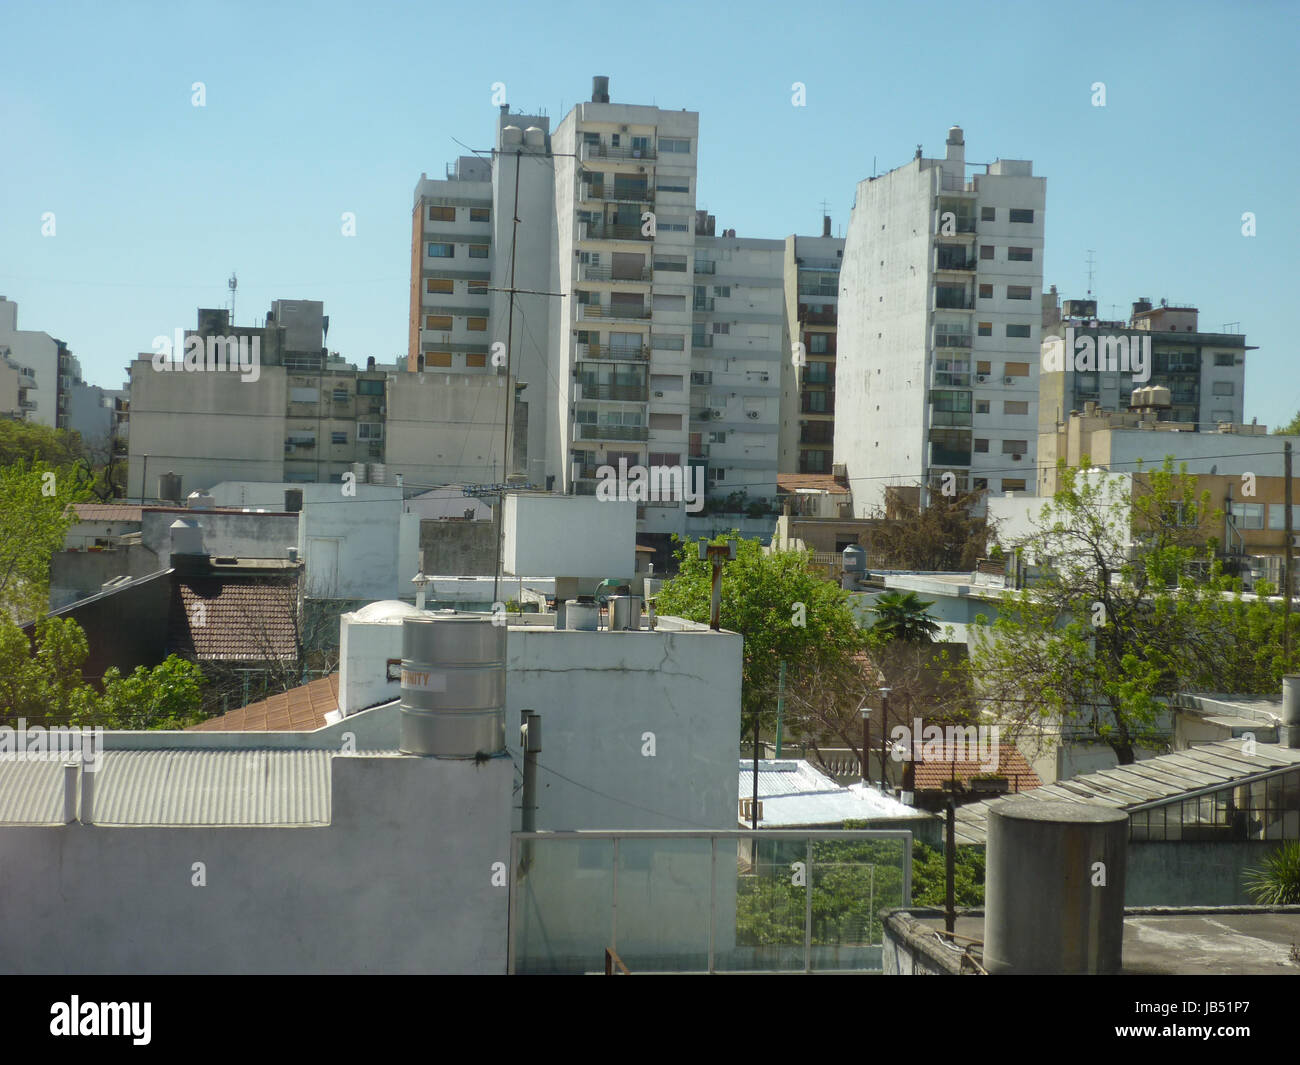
<point x="610" y="231"/>
<point x="944" y="262"/>
<point x="587" y="272"/>
<point x="950" y="418"/>
<point x="612" y="432"/>
<point x="595" y="310"/>
<point x="592" y="190"/>
<point x="952" y="340"/>
<point x="604" y="351"/>
<point x="605" y="151"/>
<point x="702" y="303"/>
<point x="677" y="901"/>
<point x="954" y="303"/>
<point x="630" y="393"/>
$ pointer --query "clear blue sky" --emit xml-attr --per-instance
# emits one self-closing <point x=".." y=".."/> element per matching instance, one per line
<point x="316" y="109"/>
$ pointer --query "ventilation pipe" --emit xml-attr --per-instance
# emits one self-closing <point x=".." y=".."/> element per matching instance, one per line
<point x="1290" y="731"/>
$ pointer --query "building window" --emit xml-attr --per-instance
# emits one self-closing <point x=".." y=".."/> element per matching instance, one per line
<point x="1015" y="447"/>
<point x="1019" y="292"/>
<point x="1223" y="388"/>
<point x="437" y="284"/>
<point x="988" y="214"/>
<point x="478" y="288"/>
<point x="437" y="321"/>
<point x="1013" y="484"/>
<point x="717" y="474"/>
<point x="701" y="377"/>
<point x="338" y="438"/>
<point x="478" y="251"/>
<point x="986" y="251"/>
<point x="1224" y="358"/>
<point x="442" y="214"/>
<point x="665" y="458"/>
<point x="981" y="406"/>
<point x="1016" y="369"/>
<point x="667" y="184"/>
<point x="1021" y="331"/>
<point x="1247" y="515"/>
<point x="816" y="402"/>
<point x="480" y="214"/>
<point x="1277" y="516"/>
<point x="981" y="446"/>
<point x="1020" y="255"/>
<point x="718" y="438"/>
<point x="985" y="329"/>
<point x="983" y="366"/>
<point x="437" y="358"/>
<point x="817" y="343"/>
<point x="986" y="293"/>
<point x="721" y="328"/>
<point x="370" y="430"/>
<point x="1015" y="406"/>
<point x="475" y="358"/>
<point x="816" y="373"/>
<point x="722" y="290"/>
<point x="980" y="483"/>
<point x="675" y="145"/>
<point x="370" y="388"/>
<point x="476" y="325"/>
<point x="1022" y="214"/>
<point x="441" y="251"/>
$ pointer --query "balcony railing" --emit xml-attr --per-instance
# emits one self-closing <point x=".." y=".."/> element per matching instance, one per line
<point x="702" y="303"/>
<point x="816" y="317"/>
<point x="587" y="272"/>
<point x="953" y="183"/>
<point x="828" y="292"/>
<point x="701" y="340"/>
<point x="677" y="901"/>
<point x="952" y="340"/>
<point x="954" y="303"/>
<point x="620" y="354"/>
<point x="618" y="193"/>
<point x="808" y="263"/>
<point x="950" y="418"/>
<point x="630" y="393"/>
<point x="595" y="310"/>
<point x="955" y="262"/>
<point x="612" y="432"/>
<point x="702" y="267"/>
<point x="806" y="407"/>
<point x="948" y="379"/>
<point x="961" y="225"/>
<point x="605" y="151"/>
<point x="610" y="231"/>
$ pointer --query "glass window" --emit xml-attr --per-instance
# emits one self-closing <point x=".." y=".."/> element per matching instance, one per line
<point x="1021" y="214"/>
<point x="1223" y="388"/>
<point x="338" y="438"/>
<point x="676" y="145"/>
<point x="370" y="388"/>
<point x="480" y="214"/>
<point x="1018" y="331"/>
<point x="981" y="446"/>
<point x="985" y="328"/>
<point x="436" y="284"/>
<point x="1013" y="484"/>
<point x="1019" y="292"/>
<point x="1015" y="406"/>
<point x="1224" y="358"/>
<point x="442" y="214"/>
<point x="441" y="251"/>
<point x="476" y="325"/>
<point x="1020" y="255"/>
<point x="1277" y="516"/>
<point x="988" y="214"/>
<point x="817" y="343"/>
<point x="986" y="251"/>
<point x="478" y="251"/>
<point x="437" y="321"/>
<point x="1247" y="515"/>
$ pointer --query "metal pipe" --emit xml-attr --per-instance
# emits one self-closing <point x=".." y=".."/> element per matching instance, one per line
<point x="950" y="869"/>
<point x="71" y="771"/>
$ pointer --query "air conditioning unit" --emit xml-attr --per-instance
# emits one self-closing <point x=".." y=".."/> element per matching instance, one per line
<point x="622" y="129"/>
<point x="1016" y="456"/>
<point x="717" y="413"/>
<point x="1295" y="541"/>
<point x="383" y="410"/>
<point x="751" y="414"/>
<point x="1008" y="380"/>
<point x="659" y="395"/>
<point x="982" y="378"/>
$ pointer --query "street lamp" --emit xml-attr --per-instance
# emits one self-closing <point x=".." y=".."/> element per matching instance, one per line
<point x="865" y="711"/>
<point x="884" y="738"/>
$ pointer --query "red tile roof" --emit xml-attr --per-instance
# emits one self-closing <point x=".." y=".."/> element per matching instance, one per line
<point x="822" y="482"/>
<point x="216" y="619"/>
<point x="107" y="512"/>
<point x="932" y="772"/>
<point x="299" y="709"/>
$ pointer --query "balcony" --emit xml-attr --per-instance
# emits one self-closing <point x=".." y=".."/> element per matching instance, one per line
<point x="610" y="231"/>
<point x="627" y="393"/>
<point x="950" y="418"/>
<point x="702" y="303"/>
<point x="620" y="354"/>
<point x="952" y="340"/>
<point x="827" y="317"/>
<point x="607" y="193"/>
<point x="614" y="312"/>
<point x="951" y="379"/>
<point x="587" y="272"/>
<point x="809" y="263"/>
<point x="678" y="901"/>
<point x="825" y="291"/>
<point x="612" y="432"/>
<point x="806" y="406"/>
<point x="703" y="267"/>
<point x="591" y="152"/>
<point x="963" y="263"/>
<point x="948" y="302"/>
<point x="701" y="340"/>
<point x="953" y="183"/>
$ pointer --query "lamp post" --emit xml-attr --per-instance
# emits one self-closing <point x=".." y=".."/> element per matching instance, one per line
<point x="884" y="738"/>
<point x="865" y="711"/>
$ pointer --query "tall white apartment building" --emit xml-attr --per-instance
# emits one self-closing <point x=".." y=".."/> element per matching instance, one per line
<point x="45" y="368"/>
<point x="939" y="320"/>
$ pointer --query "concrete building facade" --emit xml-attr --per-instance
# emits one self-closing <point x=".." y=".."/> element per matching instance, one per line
<point x="940" y="309"/>
<point x="45" y="368"/>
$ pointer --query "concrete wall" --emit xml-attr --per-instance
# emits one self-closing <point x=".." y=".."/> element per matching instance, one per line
<point x="467" y="548"/>
<point x="38" y="351"/>
<point x="541" y="536"/>
<point x="268" y="535"/>
<point x="1191" y="874"/>
<point x="399" y="881"/>
<point x="77" y="574"/>
<point x="446" y="427"/>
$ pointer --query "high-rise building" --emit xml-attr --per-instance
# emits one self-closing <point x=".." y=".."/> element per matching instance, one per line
<point x="939" y="318"/>
<point x="45" y="369"/>
<point x="812" y="289"/>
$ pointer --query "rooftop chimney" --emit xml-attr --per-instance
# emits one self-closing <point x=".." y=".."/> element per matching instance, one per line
<point x="600" y="89"/>
<point x="826" y="225"/>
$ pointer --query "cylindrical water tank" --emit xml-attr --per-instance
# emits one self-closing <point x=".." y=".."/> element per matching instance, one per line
<point x="359" y="472"/>
<point x="1054" y="887"/>
<point x="377" y="473"/>
<point x="511" y="136"/>
<point x="453" y="685"/>
<point x="1290" y="732"/>
<point x="580" y="616"/>
<point x="534" y="137"/>
<point x="624" y="612"/>
<point x="169" y="487"/>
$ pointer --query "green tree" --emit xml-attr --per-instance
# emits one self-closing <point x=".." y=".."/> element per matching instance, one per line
<point x="902" y="616"/>
<point x="34" y="517"/>
<point x="1276" y="881"/>
<point x="164" y="697"/>
<point x="944" y="535"/>
<point x="784" y="611"/>
<point x="1129" y="607"/>
<point x="1292" y="428"/>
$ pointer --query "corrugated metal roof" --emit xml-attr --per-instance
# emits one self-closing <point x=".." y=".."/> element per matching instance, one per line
<point x="793" y="793"/>
<point x="1166" y="778"/>
<point x="181" y="787"/>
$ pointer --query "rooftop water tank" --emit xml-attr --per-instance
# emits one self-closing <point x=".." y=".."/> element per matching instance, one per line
<point x="624" y="613"/>
<point x="453" y="685"/>
<point x="512" y="137"/>
<point x="581" y="615"/>
<point x="200" y="501"/>
<point x="169" y="487"/>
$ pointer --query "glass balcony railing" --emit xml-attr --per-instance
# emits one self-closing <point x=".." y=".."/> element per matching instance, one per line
<point x="698" y="901"/>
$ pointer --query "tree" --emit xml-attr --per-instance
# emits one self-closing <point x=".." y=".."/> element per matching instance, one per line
<point x="902" y="616"/>
<point x="1128" y="608"/>
<point x="943" y="536"/>
<point x="164" y="697"/>
<point x="1292" y="428"/>
<point x="1276" y="881"/>
<point x="784" y="611"/>
<point x="34" y="517"/>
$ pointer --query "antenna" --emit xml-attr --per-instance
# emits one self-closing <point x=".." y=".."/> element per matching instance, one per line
<point x="232" y="284"/>
<point x="1092" y="269"/>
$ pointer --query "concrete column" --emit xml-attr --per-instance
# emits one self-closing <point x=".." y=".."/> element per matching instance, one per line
<point x="1054" y="887"/>
<point x="1289" y="733"/>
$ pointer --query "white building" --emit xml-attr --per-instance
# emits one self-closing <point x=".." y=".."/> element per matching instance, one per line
<point x="42" y="361"/>
<point x="939" y="318"/>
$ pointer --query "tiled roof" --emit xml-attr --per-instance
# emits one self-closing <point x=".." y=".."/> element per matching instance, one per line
<point x="301" y="709"/>
<point x="822" y="482"/>
<point x="216" y="619"/>
<point x="107" y="512"/>
<point x="1150" y="782"/>
<point x="932" y="772"/>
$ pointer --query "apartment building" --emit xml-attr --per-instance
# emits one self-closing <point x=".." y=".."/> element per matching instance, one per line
<point x="939" y="316"/>
<point x="737" y="351"/>
<point x="45" y="368"/>
<point x="812" y="289"/>
<point x="1087" y="360"/>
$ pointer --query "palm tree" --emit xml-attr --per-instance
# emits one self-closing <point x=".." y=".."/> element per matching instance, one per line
<point x="1277" y="881"/>
<point x="902" y="616"/>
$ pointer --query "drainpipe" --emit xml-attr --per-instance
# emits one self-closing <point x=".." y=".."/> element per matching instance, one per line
<point x="530" y="742"/>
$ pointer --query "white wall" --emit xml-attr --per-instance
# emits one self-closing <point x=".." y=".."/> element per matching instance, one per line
<point x="569" y="536"/>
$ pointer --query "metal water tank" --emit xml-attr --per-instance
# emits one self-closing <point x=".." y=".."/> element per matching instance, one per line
<point x="624" y="613"/>
<point x="1054" y="887"/>
<point x="377" y="473"/>
<point x="854" y="561"/>
<point x="359" y="472"/>
<point x="1290" y="731"/>
<point x="581" y="616"/>
<point x="453" y="685"/>
<point x="169" y="487"/>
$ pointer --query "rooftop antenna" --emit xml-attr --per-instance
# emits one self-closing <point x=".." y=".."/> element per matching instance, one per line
<point x="1092" y="269"/>
<point x="232" y="284"/>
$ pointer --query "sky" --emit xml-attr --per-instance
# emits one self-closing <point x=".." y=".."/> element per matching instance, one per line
<point x="313" y="110"/>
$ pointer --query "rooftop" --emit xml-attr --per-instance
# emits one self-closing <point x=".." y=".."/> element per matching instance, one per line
<point x="794" y="794"/>
<point x="300" y="709"/>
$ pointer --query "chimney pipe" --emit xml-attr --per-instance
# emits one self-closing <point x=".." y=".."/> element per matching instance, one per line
<point x="87" y="798"/>
<point x="600" y="89"/>
<point x="71" y="771"/>
<point x="826" y="225"/>
<point x="1290" y="730"/>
